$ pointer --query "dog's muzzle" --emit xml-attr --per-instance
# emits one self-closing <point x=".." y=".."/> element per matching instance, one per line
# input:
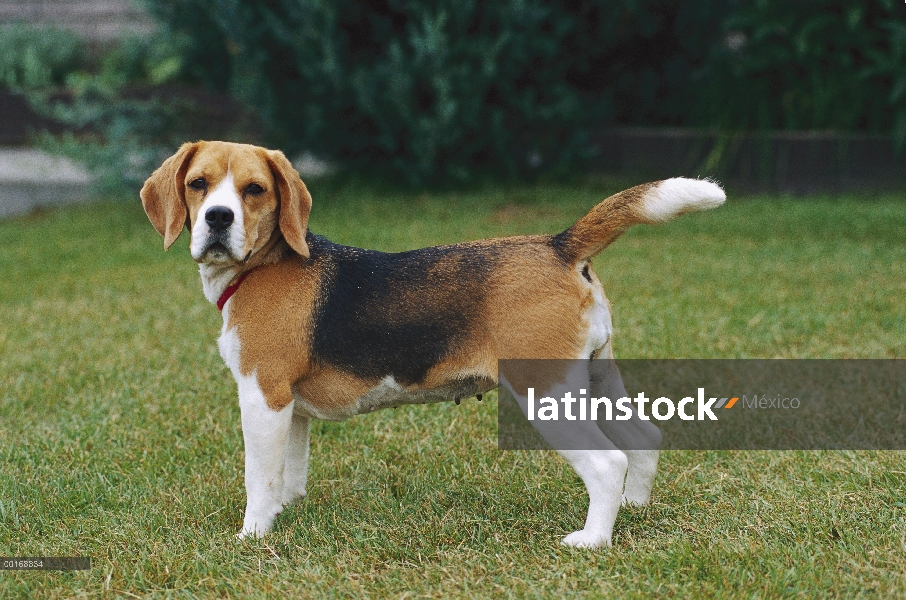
<point x="218" y="218"/>
<point x="217" y="243"/>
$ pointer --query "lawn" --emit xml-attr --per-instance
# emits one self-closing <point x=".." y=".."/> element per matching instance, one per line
<point x="120" y="436"/>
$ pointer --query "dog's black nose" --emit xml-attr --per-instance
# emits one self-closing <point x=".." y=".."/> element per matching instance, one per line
<point x="218" y="218"/>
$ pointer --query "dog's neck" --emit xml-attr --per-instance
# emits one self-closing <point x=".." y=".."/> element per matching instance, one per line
<point x="216" y="278"/>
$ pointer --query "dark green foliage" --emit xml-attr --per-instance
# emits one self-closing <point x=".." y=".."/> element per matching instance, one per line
<point x="442" y="90"/>
<point x="117" y="121"/>
<point x="33" y="57"/>
<point x="124" y="108"/>
<point x="445" y="89"/>
<point x="144" y="61"/>
<point x="832" y="64"/>
<point x="121" y="138"/>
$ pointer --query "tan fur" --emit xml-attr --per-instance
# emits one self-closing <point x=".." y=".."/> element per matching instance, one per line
<point x="272" y="312"/>
<point x="535" y="304"/>
<point x="163" y="195"/>
<point x="605" y="223"/>
<point x="329" y="389"/>
<point x="477" y="363"/>
<point x="295" y="202"/>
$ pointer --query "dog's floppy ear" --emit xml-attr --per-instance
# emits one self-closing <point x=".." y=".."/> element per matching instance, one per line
<point x="295" y="202"/>
<point x="163" y="195"/>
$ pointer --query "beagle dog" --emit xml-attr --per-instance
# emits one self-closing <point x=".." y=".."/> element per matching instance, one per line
<point x="317" y="330"/>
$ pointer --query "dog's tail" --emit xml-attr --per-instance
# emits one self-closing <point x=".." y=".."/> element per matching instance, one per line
<point x="650" y="203"/>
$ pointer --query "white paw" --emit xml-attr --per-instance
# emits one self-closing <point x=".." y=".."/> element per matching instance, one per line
<point x="246" y="535"/>
<point x="636" y="499"/>
<point x="291" y="496"/>
<point x="255" y="527"/>
<point x="586" y="539"/>
<point x="251" y="534"/>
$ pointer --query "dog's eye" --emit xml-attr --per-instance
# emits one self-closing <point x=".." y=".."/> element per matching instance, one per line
<point x="198" y="184"/>
<point x="254" y="189"/>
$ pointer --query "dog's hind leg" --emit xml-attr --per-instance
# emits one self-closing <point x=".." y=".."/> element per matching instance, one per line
<point x="641" y="472"/>
<point x="295" y="473"/>
<point x="640" y="475"/>
<point x="640" y="440"/>
<point x="602" y="471"/>
<point x="597" y="461"/>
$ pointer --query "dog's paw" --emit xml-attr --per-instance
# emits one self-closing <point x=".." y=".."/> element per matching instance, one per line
<point x="639" y="499"/>
<point x="255" y="533"/>
<point x="255" y="526"/>
<point x="247" y="535"/>
<point x="586" y="539"/>
<point x="293" y="496"/>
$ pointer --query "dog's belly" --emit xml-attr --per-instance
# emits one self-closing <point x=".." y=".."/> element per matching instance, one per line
<point x="388" y="393"/>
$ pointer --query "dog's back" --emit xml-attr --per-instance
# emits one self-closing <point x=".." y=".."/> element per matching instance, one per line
<point x="408" y="314"/>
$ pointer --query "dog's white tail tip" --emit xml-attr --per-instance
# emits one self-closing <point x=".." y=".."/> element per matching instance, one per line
<point x="673" y="197"/>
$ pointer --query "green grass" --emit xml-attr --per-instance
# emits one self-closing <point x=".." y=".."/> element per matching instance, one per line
<point x="120" y="436"/>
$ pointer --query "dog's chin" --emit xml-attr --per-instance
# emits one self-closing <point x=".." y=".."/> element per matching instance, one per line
<point x="217" y="254"/>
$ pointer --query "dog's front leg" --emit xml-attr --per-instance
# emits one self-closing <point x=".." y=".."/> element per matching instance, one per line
<point x="265" y="432"/>
<point x="295" y="475"/>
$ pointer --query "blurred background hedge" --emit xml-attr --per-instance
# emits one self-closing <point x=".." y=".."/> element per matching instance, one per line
<point x="452" y="91"/>
<point x="447" y="90"/>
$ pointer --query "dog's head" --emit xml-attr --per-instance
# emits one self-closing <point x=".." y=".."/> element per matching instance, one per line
<point x="233" y="198"/>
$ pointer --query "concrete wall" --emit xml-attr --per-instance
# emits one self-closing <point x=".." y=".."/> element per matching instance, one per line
<point x="97" y="20"/>
<point x="800" y="162"/>
<point x="30" y="179"/>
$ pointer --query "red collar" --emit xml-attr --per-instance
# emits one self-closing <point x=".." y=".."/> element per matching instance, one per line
<point x="228" y="293"/>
